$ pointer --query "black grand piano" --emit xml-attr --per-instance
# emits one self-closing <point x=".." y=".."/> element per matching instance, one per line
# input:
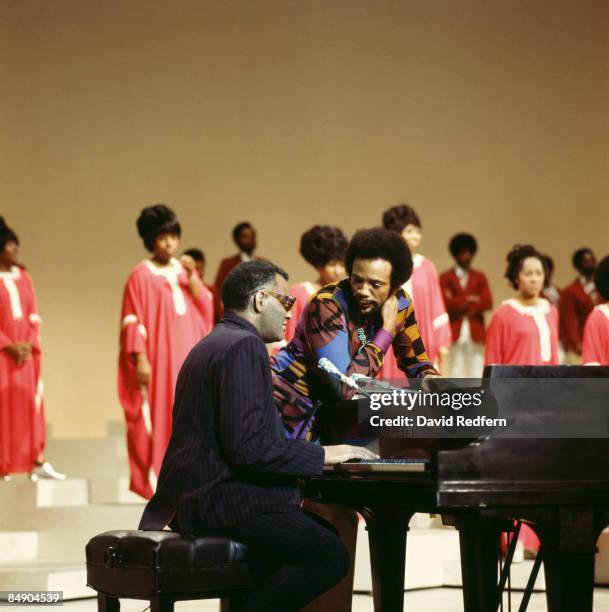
<point x="559" y="486"/>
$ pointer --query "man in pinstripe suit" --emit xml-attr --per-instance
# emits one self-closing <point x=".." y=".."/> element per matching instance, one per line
<point x="230" y="469"/>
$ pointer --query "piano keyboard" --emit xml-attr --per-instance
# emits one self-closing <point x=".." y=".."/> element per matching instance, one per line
<point x="380" y="465"/>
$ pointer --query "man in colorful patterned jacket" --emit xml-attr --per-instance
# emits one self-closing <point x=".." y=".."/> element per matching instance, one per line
<point x="352" y="323"/>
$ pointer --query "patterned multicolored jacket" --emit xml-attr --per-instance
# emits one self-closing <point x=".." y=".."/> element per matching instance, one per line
<point x="331" y="326"/>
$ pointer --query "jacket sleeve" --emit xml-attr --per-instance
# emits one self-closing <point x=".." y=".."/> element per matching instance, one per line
<point x="409" y="347"/>
<point x="485" y="302"/>
<point x="328" y="336"/>
<point x="455" y="303"/>
<point x="247" y="434"/>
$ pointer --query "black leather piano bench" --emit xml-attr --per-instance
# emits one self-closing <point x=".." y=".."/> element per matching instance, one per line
<point x="164" y="567"/>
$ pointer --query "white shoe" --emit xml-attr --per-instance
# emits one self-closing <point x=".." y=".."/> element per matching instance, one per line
<point x="7" y="477"/>
<point x="46" y="470"/>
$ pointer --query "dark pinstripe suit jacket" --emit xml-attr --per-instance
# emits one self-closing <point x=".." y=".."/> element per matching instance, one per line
<point x="228" y="458"/>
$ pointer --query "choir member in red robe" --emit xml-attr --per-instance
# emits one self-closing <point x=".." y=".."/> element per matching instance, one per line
<point x="467" y="296"/>
<point x="324" y="247"/>
<point x="22" y="426"/>
<point x="577" y="302"/>
<point x="424" y="289"/>
<point x="198" y="257"/>
<point x="244" y="236"/>
<point x="166" y="311"/>
<point x="595" y="347"/>
<point x="524" y="330"/>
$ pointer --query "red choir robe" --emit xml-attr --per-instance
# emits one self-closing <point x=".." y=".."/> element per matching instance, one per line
<point x="303" y="293"/>
<point x="575" y="305"/>
<point x="161" y="319"/>
<point x="523" y="335"/>
<point x="216" y="310"/>
<point x="22" y="427"/>
<point x="595" y="348"/>
<point x="432" y="318"/>
<point x="226" y="265"/>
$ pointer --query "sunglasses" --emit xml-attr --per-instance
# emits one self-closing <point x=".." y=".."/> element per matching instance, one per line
<point x="287" y="301"/>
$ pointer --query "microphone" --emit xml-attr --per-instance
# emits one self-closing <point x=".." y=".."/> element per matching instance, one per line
<point x="327" y="366"/>
<point x="362" y="379"/>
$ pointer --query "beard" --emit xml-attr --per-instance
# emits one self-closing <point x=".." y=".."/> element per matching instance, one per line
<point x="374" y="313"/>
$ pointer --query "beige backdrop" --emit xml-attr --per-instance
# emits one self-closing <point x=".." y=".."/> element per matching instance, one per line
<point x="488" y="116"/>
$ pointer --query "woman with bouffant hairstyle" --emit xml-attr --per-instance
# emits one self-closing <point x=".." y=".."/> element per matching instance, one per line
<point x="22" y="426"/>
<point x="166" y="311"/>
<point x="324" y="248"/>
<point x="423" y="287"/>
<point x="524" y="331"/>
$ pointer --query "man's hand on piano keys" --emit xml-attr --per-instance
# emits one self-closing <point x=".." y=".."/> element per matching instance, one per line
<point x="339" y="453"/>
